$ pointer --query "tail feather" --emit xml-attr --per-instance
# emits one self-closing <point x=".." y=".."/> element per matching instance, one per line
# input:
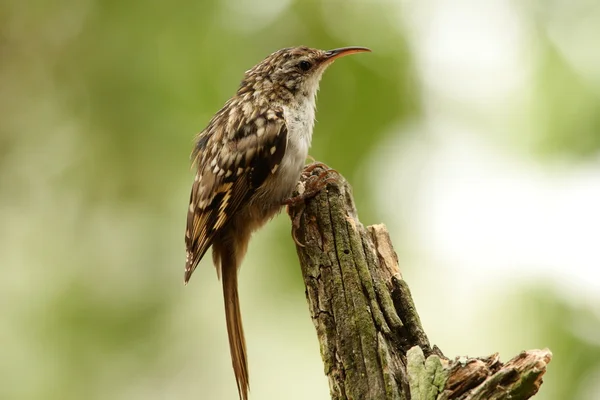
<point x="189" y="267"/>
<point x="235" y="330"/>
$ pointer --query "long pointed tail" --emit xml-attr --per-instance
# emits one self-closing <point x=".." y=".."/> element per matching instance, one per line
<point x="235" y="330"/>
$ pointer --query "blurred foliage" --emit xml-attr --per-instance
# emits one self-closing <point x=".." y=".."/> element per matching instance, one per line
<point x="571" y="332"/>
<point x="566" y="90"/>
<point x="567" y="108"/>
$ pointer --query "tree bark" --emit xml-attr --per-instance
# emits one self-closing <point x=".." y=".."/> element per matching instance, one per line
<point x="372" y="343"/>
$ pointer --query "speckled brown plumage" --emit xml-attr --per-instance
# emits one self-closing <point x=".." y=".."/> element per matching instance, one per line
<point x="248" y="161"/>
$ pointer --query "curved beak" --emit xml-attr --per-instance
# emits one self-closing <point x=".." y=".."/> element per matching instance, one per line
<point x="331" y="55"/>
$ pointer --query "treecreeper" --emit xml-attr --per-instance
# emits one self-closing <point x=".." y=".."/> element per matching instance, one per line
<point x="248" y="161"/>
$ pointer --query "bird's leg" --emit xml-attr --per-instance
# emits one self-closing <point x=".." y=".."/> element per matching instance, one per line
<point x="309" y="187"/>
<point x="313" y="184"/>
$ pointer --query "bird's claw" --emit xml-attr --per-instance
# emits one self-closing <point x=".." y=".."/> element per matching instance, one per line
<point x="313" y="184"/>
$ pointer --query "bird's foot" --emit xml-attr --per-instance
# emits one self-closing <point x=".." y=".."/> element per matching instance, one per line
<point x="314" y="165"/>
<point x="312" y="184"/>
<point x="309" y="186"/>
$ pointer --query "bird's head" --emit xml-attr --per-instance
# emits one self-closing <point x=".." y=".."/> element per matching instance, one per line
<point x="293" y="71"/>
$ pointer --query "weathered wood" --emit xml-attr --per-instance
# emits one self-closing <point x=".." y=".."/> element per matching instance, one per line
<point x="372" y="343"/>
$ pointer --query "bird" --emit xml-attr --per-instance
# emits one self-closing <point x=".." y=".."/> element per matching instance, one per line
<point x="247" y="163"/>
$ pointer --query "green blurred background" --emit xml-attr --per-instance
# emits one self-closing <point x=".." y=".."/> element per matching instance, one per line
<point x="472" y="131"/>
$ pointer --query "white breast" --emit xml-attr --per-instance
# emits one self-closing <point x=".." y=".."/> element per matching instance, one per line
<point x="300" y="119"/>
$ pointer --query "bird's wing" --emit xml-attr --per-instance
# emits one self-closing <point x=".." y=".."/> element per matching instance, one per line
<point x="233" y="159"/>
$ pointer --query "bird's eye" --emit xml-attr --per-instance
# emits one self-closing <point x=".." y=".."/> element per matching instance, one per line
<point x="304" y="65"/>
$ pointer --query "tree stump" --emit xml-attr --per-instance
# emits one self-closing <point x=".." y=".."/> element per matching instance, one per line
<point x="372" y="343"/>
